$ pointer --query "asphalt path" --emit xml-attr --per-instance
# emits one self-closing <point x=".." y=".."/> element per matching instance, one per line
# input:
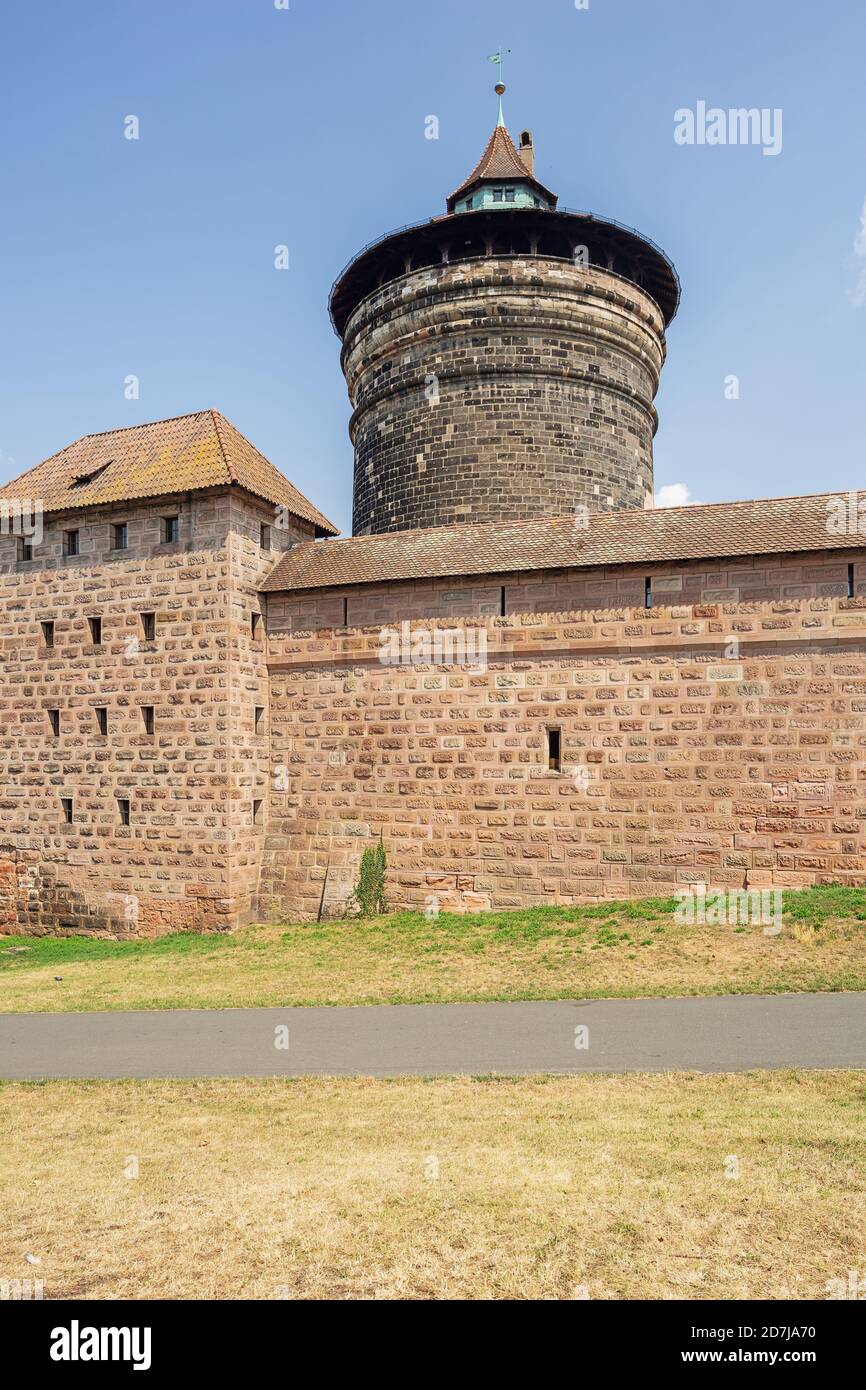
<point x="726" y="1033"/>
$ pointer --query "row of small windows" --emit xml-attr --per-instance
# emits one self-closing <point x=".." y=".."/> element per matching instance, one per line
<point x="648" y="588"/>
<point x="169" y="533"/>
<point x="503" y="610"/>
<point x="148" y="629"/>
<point x="147" y="717"/>
<point x="67" y="804"/>
<point x="500" y="195"/>
<point x="101" y="715"/>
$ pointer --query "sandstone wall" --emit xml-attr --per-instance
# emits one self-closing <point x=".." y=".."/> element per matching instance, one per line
<point x="189" y="859"/>
<point x="681" y="761"/>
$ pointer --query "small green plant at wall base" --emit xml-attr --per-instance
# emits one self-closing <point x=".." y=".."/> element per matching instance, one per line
<point x="367" y="898"/>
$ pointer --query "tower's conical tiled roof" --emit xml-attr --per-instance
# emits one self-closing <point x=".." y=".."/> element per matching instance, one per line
<point x="500" y="160"/>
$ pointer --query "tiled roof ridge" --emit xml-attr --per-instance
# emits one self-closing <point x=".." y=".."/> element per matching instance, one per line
<point x="747" y="526"/>
<point x="142" y="425"/>
<point x="100" y="434"/>
<point x="201" y="448"/>
<point x="218" y="421"/>
<point x="611" y="512"/>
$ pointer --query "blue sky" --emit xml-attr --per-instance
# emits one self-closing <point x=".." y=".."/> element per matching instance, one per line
<point x="305" y="126"/>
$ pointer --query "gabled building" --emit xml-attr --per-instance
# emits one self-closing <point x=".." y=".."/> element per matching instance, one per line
<point x="133" y="685"/>
<point x="532" y="686"/>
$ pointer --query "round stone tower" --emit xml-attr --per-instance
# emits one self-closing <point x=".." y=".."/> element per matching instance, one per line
<point x="502" y="359"/>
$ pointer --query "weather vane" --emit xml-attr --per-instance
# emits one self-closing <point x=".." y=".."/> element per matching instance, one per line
<point x="499" y="89"/>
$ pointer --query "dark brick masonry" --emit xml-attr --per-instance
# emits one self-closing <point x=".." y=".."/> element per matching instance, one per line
<point x="501" y="388"/>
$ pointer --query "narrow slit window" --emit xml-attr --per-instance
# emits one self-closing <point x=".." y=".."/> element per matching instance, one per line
<point x="148" y="626"/>
<point x="119" y="536"/>
<point x="25" y="549"/>
<point x="54" y="721"/>
<point x="147" y="718"/>
<point x="553" y="750"/>
<point x="170" y="529"/>
<point x="66" y="803"/>
<point x="48" y="634"/>
<point x="850" y="581"/>
<point x="345" y="611"/>
<point x="123" y="809"/>
<point x="102" y="719"/>
<point x="257" y="813"/>
<point x="260" y="719"/>
<point x="647" y="593"/>
<point x="265" y="536"/>
<point x="255" y="619"/>
<point x="502" y="602"/>
<point x="71" y="543"/>
<point x="95" y="630"/>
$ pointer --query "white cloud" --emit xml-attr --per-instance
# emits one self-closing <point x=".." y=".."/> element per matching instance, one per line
<point x="675" y="495"/>
<point x="858" y="294"/>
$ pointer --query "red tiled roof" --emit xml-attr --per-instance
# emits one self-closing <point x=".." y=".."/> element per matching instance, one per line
<point x="500" y="160"/>
<point x="764" y="527"/>
<point x="154" y="460"/>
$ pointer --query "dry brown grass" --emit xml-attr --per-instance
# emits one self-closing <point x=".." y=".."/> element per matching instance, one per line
<point x="317" y="1188"/>
<point x="611" y="950"/>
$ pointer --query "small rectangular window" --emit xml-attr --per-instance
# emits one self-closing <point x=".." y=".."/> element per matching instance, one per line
<point x="255" y="619"/>
<point x="257" y="812"/>
<point x="509" y="195"/>
<point x="148" y="626"/>
<point x="497" y="195"/>
<point x="119" y="537"/>
<point x="170" y="529"/>
<point x="102" y="719"/>
<point x="265" y="536"/>
<point x="71" y="543"/>
<point x="648" y="593"/>
<point x="123" y="809"/>
<point x="850" y="581"/>
<point x="54" y="721"/>
<point x="48" y="633"/>
<point x="25" y="549"/>
<point x="502" y="602"/>
<point x="95" y="625"/>
<point x="345" y="612"/>
<point x="66" y="802"/>
<point x="260" y="718"/>
<point x="553" y="746"/>
<point x="147" y="717"/>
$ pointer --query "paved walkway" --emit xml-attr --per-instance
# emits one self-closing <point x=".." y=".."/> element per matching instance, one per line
<point x="730" y="1033"/>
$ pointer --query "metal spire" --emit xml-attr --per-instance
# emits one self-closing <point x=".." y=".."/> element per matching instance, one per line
<point x="500" y="86"/>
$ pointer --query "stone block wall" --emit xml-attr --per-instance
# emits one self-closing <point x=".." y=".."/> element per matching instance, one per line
<point x="684" y="758"/>
<point x="189" y="857"/>
<point x="248" y="732"/>
<point x="501" y="388"/>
